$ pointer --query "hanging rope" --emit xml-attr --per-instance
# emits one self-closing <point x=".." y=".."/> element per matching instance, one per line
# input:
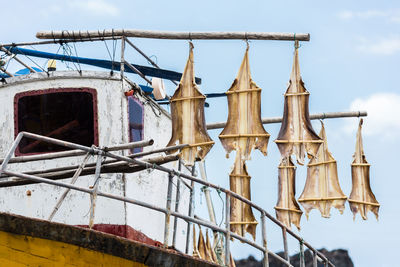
<point x="111" y="58"/>
<point x="77" y="58"/>
<point x="35" y="63"/>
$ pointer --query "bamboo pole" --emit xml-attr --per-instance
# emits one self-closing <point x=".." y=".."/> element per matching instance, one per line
<point x="174" y="35"/>
<point x="317" y="116"/>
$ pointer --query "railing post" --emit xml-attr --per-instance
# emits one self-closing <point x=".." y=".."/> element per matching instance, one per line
<point x="93" y="195"/>
<point x="168" y="214"/>
<point x="228" y="229"/>
<point x="122" y="68"/>
<point x="285" y="245"/>
<point x="177" y="199"/>
<point x="264" y="240"/>
<point x="191" y="199"/>
<point x="315" y="259"/>
<point x="302" y="260"/>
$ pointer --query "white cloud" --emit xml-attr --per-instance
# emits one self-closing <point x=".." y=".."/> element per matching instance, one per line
<point x="386" y="46"/>
<point x="392" y="15"/>
<point x="383" y="119"/>
<point x="95" y="7"/>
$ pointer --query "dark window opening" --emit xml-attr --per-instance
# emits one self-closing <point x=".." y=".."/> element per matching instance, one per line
<point x="135" y="110"/>
<point x="65" y="114"/>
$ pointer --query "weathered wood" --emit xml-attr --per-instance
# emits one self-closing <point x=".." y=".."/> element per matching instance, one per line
<point x="116" y="167"/>
<point x="174" y="35"/>
<point x="317" y="116"/>
<point x="78" y="152"/>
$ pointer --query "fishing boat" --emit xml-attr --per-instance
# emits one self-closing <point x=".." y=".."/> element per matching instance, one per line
<point x="86" y="176"/>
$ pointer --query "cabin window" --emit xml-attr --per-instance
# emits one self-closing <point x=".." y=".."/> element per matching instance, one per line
<point x="135" y="109"/>
<point x="65" y="114"/>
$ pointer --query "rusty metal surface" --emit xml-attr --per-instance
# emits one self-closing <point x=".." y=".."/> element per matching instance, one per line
<point x="98" y="241"/>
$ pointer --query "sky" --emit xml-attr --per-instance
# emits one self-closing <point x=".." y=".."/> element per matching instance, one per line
<point x="350" y="64"/>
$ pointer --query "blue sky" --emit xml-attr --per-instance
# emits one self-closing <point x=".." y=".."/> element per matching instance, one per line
<point x="351" y="63"/>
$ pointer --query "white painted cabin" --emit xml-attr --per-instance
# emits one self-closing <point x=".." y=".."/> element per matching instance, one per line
<point x="88" y="108"/>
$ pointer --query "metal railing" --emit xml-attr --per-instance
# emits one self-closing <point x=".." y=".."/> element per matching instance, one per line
<point x="94" y="192"/>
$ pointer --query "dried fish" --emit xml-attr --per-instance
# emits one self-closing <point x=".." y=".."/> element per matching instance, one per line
<point x="322" y="189"/>
<point x="202" y="247"/>
<point x="296" y="135"/>
<point x="361" y="198"/>
<point x="195" y="253"/>
<point x="210" y="249"/>
<point x="287" y="209"/>
<point x="242" y="218"/>
<point x="188" y="122"/>
<point x="243" y="132"/>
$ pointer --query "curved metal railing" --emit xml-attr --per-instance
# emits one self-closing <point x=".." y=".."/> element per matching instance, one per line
<point x="104" y="152"/>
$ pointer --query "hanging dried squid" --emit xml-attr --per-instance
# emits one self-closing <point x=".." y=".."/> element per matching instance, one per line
<point x="361" y="198"/>
<point x="204" y="252"/>
<point x="322" y="189"/>
<point x="287" y="209"/>
<point x="242" y="218"/>
<point x="296" y="135"/>
<point x="188" y="122"/>
<point x="243" y="132"/>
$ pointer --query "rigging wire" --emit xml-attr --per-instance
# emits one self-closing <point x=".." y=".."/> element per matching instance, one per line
<point x="77" y="58"/>
<point x="34" y="62"/>
<point x="111" y="57"/>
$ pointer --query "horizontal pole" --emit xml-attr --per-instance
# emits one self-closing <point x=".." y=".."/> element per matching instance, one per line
<point x="317" y="116"/>
<point x="67" y="172"/>
<point x="77" y="152"/>
<point x="174" y="35"/>
<point x="59" y="42"/>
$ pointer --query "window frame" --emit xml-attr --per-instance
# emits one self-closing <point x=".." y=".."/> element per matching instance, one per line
<point x="18" y="96"/>
<point x="129" y="127"/>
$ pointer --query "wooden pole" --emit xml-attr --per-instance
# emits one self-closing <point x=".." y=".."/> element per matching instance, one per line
<point x="17" y="59"/>
<point x="174" y="35"/>
<point x="122" y="68"/>
<point x="145" y="56"/>
<point x="318" y="116"/>
<point x="6" y="72"/>
<point x="117" y="167"/>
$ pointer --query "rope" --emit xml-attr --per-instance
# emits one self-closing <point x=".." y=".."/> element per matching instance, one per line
<point x="223" y="206"/>
<point x="35" y="63"/>
<point x="77" y="58"/>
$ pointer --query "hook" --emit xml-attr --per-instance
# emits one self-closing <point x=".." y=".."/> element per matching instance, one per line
<point x="296" y="44"/>
<point x="191" y="46"/>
